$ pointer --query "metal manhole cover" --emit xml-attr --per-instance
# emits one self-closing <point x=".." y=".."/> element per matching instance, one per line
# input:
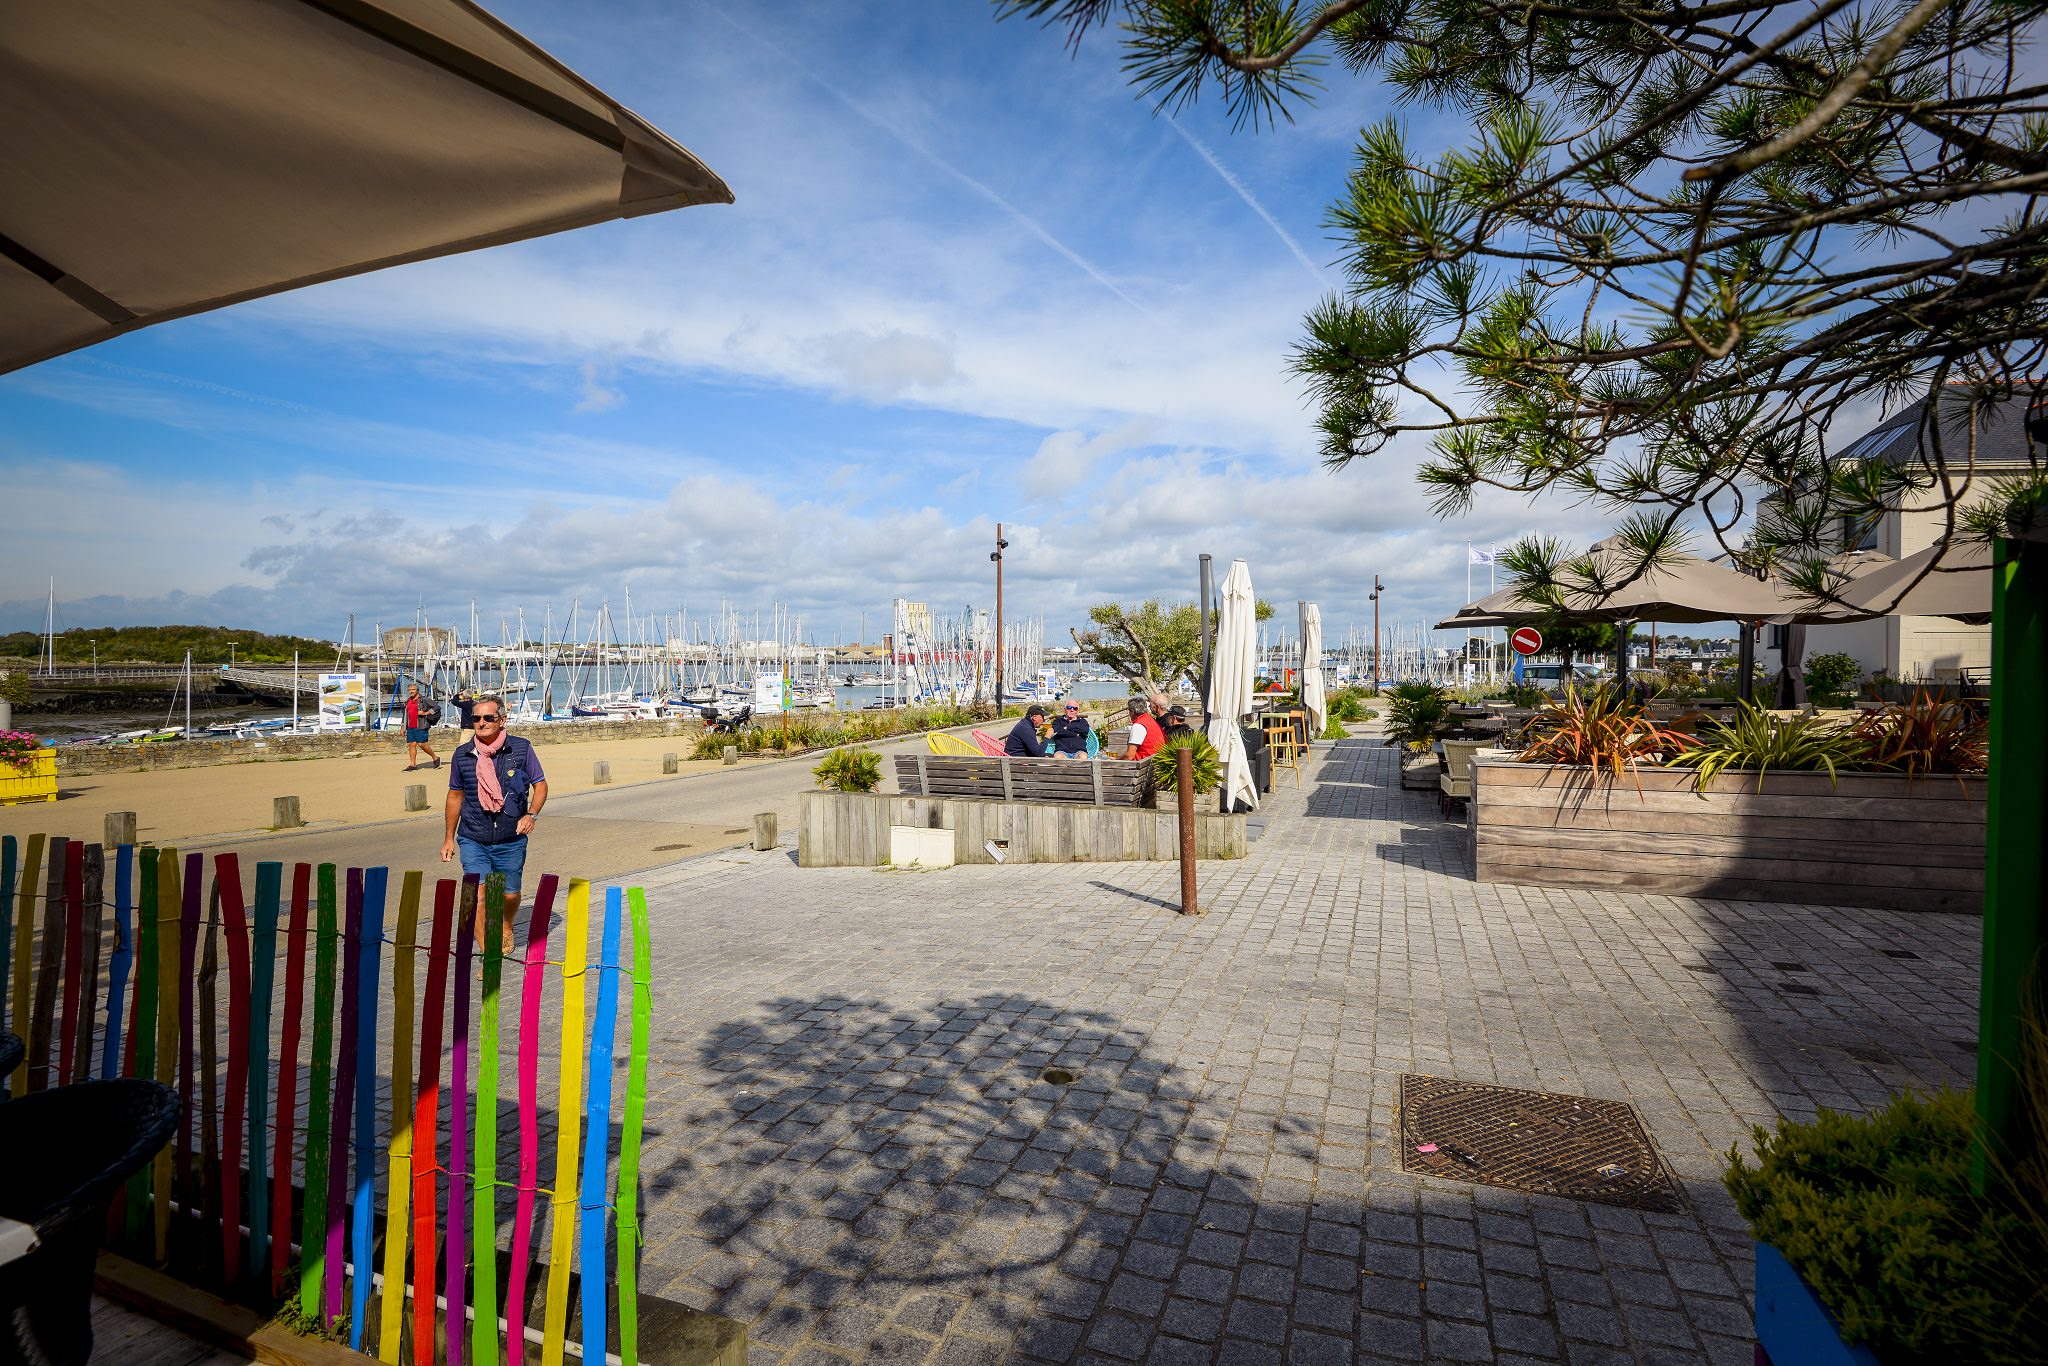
<point x="1536" y="1141"/>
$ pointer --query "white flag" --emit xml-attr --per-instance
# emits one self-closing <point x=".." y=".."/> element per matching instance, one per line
<point x="1477" y="555"/>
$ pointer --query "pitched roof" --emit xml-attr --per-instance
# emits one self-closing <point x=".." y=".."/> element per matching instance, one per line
<point x="2001" y="434"/>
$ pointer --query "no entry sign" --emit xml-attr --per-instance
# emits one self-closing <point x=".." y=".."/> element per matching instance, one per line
<point x="1527" y="640"/>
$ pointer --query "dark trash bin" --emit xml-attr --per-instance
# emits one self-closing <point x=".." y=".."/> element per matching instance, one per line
<point x="63" y="1153"/>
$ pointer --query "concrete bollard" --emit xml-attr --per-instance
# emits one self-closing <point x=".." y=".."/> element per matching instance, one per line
<point x="415" y="796"/>
<point x="670" y="764"/>
<point x="764" y="830"/>
<point x="284" y="813"/>
<point x="601" y="772"/>
<point x="732" y="754"/>
<point x="120" y="828"/>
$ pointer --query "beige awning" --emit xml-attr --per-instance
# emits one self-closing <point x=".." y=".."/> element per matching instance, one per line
<point x="1950" y="579"/>
<point x="1681" y="588"/>
<point x="162" y="159"/>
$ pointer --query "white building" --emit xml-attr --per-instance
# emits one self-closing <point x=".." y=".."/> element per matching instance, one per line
<point x="1930" y="649"/>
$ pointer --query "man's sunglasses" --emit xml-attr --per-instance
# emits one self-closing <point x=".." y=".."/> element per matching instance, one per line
<point x="487" y="716"/>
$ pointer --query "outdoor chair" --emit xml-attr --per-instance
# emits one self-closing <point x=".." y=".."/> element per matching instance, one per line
<point x="939" y="742"/>
<point x="989" y="745"/>
<point x="1281" y="742"/>
<point x="1454" y="775"/>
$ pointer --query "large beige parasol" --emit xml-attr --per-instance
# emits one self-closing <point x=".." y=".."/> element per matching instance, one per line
<point x="162" y="159"/>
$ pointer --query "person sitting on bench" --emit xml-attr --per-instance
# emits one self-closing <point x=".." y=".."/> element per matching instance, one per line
<point x="1024" y="741"/>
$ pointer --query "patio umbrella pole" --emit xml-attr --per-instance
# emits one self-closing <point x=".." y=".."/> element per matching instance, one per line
<point x="2015" y="860"/>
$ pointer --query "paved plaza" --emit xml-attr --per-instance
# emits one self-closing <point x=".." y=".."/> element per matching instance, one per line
<point x="851" y="1149"/>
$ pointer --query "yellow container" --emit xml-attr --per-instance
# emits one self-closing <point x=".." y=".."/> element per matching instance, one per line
<point x="36" y="783"/>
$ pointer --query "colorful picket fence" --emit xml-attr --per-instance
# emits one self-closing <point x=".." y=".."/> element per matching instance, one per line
<point x="127" y="982"/>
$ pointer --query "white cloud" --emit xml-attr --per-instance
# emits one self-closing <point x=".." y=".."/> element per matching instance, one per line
<point x="598" y="395"/>
<point x="884" y="365"/>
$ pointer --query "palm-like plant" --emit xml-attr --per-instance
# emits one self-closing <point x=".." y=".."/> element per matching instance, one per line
<point x="1415" y="712"/>
<point x="1600" y="728"/>
<point x="1926" y="735"/>
<point x="1754" y="739"/>
<point x="1208" y="763"/>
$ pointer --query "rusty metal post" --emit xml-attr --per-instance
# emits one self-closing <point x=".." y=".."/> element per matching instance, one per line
<point x="1184" y="767"/>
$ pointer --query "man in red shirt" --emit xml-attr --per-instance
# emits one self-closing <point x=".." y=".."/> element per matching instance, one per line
<point x="416" y="731"/>
<point x="1146" y="732"/>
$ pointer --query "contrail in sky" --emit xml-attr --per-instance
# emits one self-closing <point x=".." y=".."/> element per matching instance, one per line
<point x="1234" y="183"/>
<point x="1023" y="219"/>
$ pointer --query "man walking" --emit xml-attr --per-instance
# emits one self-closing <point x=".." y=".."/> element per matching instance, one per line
<point x="417" y="727"/>
<point x="495" y="794"/>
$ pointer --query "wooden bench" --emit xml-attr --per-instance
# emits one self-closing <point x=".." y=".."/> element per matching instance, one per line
<point x="1098" y="782"/>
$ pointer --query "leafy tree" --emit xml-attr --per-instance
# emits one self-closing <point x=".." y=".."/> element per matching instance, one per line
<point x="167" y="645"/>
<point x="1680" y="240"/>
<point x="1151" y="644"/>
<point x="1569" y="637"/>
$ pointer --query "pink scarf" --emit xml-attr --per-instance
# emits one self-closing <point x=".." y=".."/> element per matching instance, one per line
<point x="490" y="793"/>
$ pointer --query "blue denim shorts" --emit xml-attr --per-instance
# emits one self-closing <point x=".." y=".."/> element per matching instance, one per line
<point x="508" y="858"/>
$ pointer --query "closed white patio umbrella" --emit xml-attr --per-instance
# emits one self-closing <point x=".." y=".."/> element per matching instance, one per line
<point x="158" y="160"/>
<point x="1230" y="687"/>
<point x="1312" y="668"/>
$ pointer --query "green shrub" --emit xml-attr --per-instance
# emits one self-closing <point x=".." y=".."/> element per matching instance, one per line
<point x="14" y="688"/>
<point x="1335" y="730"/>
<point x="1347" y="704"/>
<point x="1877" y="1214"/>
<point x="850" y="770"/>
<point x="1830" y="676"/>
<point x="1208" y="763"/>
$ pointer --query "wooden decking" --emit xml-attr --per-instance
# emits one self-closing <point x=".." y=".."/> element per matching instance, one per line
<point x="122" y="1337"/>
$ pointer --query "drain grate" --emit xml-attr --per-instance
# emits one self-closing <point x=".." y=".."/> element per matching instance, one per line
<point x="1536" y="1141"/>
<point x="1898" y="953"/>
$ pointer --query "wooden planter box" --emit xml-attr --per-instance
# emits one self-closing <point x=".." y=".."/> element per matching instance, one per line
<point x="1419" y="771"/>
<point x="1792" y="1325"/>
<point x="851" y="830"/>
<point x="36" y="783"/>
<point x="1866" y="839"/>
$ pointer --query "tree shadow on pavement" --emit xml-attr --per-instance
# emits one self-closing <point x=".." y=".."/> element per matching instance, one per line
<point x="974" y="1179"/>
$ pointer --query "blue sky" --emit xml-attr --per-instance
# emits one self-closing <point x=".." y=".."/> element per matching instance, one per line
<point x="968" y="278"/>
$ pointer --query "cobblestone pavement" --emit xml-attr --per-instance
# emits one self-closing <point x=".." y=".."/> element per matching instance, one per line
<point x="850" y="1147"/>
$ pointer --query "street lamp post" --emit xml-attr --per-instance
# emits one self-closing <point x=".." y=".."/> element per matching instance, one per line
<point x="997" y="556"/>
<point x="1377" y="589"/>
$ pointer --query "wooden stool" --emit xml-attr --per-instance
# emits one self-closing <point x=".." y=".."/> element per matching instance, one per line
<point x="1281" y="742"/>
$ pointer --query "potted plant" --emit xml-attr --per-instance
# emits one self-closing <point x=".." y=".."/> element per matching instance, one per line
<point x="1208" y="763"/>
<point x="1416" y="712"/>
<point x="28" y="769"/>
<point x="854" y="769"/>
<point x="1872" y="1246"/>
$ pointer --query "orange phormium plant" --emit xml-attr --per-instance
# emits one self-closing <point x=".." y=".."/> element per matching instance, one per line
<point x="1601" y="729"/>
<point x="1925" y="736"/>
